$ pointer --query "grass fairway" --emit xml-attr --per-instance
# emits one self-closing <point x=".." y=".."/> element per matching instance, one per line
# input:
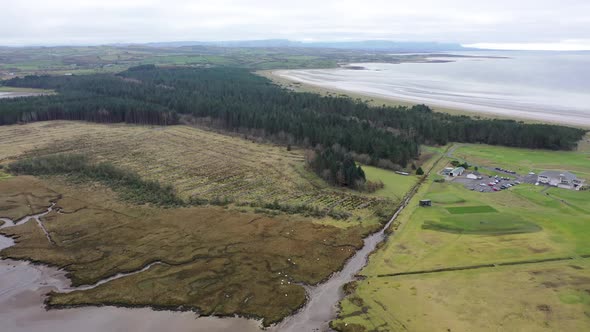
<point x="471" y="209"/>
<point x="523" y="160"/>
<point x="470" y="229"/>
<point x="483" y="224"/>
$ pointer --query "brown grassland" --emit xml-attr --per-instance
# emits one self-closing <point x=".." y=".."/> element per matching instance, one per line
<point x="197" y="163"/>
<point x="214" y="260"/>
<point x="218" y="260"/>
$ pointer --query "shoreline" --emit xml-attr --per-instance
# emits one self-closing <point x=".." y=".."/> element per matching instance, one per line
<point x="284" y="80"/>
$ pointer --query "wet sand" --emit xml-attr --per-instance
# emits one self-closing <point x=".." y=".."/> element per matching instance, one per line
<point x="23" y="289"/>
<point x="481" y="103"/>
<point x="18" y="94"/>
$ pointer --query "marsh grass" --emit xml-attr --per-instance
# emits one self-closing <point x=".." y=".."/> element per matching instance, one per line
<point x="128" y="184"/>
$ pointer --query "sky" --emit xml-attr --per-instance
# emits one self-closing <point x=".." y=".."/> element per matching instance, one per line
<point x="513" y="24"/>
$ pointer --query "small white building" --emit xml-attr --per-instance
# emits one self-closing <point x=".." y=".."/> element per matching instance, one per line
<point x="561" y="179"/>
<point x="447" y="171"/>
<point x="472" y="176"/>
<point x="457" y="171"/>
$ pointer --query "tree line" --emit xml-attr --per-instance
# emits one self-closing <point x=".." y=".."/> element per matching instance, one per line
<point x="236" y="99"/>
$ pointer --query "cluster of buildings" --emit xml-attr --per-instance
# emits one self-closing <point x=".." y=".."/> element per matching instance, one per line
<point x="560" y="179"/>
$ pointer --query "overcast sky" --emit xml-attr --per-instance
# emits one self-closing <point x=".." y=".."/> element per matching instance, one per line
<point x="541" y="24"/>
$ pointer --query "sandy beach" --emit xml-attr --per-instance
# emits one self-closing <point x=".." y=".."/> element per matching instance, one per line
<point x="397" y="84"/>
<point x="18" y="94"/>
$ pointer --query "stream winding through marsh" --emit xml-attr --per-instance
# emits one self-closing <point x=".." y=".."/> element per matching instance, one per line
<point x="23" y="288"/>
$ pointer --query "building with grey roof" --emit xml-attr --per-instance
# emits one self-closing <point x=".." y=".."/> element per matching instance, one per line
<point x="561" y="179"/>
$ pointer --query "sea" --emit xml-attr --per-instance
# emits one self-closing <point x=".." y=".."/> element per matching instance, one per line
<point x="538" y="86"/>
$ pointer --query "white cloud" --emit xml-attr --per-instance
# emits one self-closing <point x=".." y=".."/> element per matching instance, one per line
<point x="566" y="45"/>
<point x="466" y="21"/>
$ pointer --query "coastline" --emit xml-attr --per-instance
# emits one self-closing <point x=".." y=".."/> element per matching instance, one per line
<point x="281" y="78"/>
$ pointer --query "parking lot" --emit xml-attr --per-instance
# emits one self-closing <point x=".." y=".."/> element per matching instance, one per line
<point x="492" y="183"/>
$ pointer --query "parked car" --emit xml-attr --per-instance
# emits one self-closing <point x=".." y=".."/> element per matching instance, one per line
<point x="495" y="189"/>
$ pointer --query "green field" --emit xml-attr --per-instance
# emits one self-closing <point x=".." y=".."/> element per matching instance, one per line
<point x="471" y="209"/>
<point x="395" y="185"/>
<point x="523" y="161"/>
<point x="483" y="224"/>
<point x="525" y="226"/>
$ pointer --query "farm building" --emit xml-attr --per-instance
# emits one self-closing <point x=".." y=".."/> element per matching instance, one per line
<point x="447" y="171"/>
<point x="425" y="202"/>
<point x="561" y="179"/>
<point x="457" y="171"/>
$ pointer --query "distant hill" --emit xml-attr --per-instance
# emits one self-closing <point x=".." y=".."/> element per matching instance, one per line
<point x="381" y="45"/>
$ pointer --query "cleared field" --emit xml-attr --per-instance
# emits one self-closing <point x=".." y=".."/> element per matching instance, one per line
<point x="202" y="164"/>
<point x="468" y="232"/>
<point x="523" y="161"/>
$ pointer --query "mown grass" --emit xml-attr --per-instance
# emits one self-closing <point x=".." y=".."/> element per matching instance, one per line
<point x="471" y="209"/>
<point x="482" y="224"/>
<point x="395" y="186"/>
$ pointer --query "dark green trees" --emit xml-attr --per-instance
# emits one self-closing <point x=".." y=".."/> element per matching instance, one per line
<point x="238" y="100"/>
<point x="337" y="167"/>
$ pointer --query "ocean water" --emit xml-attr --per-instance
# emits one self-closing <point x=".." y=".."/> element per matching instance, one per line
<point x="543" y="86"/>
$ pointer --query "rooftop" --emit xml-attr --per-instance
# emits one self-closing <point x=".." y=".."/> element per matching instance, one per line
<point x="558" y="174"/>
